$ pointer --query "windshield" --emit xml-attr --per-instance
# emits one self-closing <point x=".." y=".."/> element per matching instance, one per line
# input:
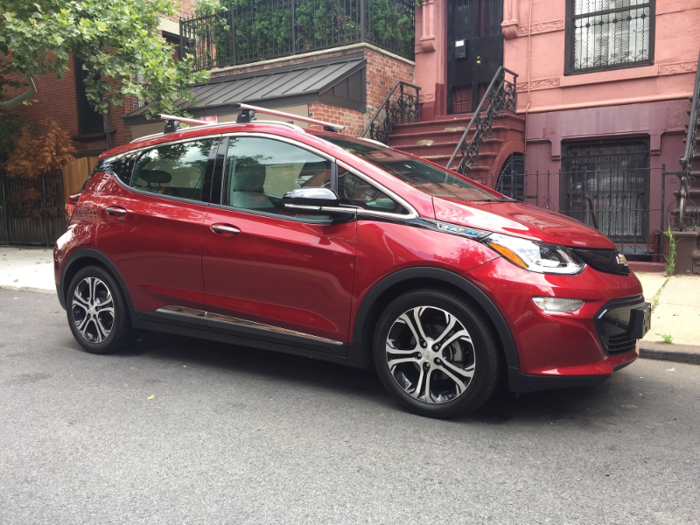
<point x="421" y="175"/>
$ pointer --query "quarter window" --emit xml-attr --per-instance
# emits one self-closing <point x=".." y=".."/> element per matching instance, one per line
<point x="260" y="171"/>
<point x="177" y="170"/>
<point x="609" y="34"/>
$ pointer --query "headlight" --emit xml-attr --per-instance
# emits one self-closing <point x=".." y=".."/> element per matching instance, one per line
<point x="536" y="256"/>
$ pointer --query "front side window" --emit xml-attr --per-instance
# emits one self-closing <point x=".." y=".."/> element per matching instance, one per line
<point x="260" y="171"/>
<point x="609" y="34"/>
<point x="354" y="191"/>
<point x="177" y="170"/>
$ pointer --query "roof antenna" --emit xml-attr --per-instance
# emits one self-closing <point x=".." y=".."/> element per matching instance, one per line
<point x="245" y="116"/>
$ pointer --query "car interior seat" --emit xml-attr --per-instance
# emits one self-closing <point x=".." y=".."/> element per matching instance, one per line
<point x="247" y="188"/>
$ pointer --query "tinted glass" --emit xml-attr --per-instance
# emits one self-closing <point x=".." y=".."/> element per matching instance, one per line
<point x="421" y="175"/>
<point x="178" y="170"/>
<point x="120" y="165"/>
<point x="260" y="171"/>
<point x="355" y="191"/>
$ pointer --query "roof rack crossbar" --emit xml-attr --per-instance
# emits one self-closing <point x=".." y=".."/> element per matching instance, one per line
<point x="192" y="121"/>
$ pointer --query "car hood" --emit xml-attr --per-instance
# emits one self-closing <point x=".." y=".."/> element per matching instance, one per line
<point x="522" y="220"/>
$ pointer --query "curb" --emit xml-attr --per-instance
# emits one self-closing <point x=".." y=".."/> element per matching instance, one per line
<point x="669" y="352"/>
<point x="27" y="289"/>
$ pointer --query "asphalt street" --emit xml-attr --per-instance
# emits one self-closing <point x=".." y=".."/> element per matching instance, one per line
<point x="184" y="431"/>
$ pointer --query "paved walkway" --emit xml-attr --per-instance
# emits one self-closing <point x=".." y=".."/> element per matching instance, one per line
<point x="27" y="269"/>
<point x="675" y="301"/>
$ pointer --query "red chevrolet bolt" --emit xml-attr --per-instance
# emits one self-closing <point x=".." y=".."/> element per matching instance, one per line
<point x="314" y="243"/>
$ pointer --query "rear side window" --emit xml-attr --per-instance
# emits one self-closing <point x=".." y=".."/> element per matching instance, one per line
<point x="120" y="165"/>
<point x="177" y="170"/>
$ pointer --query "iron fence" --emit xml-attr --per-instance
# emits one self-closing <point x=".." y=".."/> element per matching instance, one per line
<point x="32" y="210"/>
<point x="632" y="211"/>
<point x="265" y="29"/>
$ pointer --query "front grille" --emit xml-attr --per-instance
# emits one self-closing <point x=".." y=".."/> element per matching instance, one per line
<point x="603" y="260"/>
<point x="614" y="327"/>
<point x="619" y="344"/>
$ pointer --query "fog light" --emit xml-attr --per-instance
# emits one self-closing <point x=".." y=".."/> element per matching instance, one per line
<point x="557" y="304"/>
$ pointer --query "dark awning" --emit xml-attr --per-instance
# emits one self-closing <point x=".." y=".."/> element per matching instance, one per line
<point x="337" y="81"/>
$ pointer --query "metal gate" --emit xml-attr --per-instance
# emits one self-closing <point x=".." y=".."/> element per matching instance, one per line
<point x="32" y="210"/>
<point x="475" y="50"/>
<point x="606" y="185"/>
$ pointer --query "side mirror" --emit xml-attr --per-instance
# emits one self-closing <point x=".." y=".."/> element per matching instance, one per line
<point x="310" y="197"/>
<point x="316" y="201"/>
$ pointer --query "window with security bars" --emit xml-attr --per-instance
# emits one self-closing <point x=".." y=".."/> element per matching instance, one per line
<point x="606" y="185"/>
<point x="609" y="34"/>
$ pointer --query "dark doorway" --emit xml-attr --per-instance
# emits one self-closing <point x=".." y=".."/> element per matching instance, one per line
<point x="474" y="51"/>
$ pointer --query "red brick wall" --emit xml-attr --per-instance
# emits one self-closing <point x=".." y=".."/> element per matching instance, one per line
<point x="383" y="71"/>
<point x="56" y="99"/>
<point x="354" y="121"/>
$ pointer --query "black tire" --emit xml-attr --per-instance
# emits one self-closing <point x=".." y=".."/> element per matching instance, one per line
<point x="474" y="351"/>
<point x="98" y="327"/>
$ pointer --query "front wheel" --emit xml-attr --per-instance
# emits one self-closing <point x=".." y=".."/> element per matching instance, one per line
<point x="97" y="312"/>
<point x="436" y="353"/>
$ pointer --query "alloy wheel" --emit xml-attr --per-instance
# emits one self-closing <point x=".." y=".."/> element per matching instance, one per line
<point x="93" y="310"/>
<point x="430" y="355"/>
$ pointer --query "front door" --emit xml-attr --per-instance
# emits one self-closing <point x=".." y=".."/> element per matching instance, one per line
<point x="268" y="274"/>
<point x="475" y="51"/>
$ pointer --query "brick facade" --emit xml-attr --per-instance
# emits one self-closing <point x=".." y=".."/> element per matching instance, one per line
<point x="56" y="99"/>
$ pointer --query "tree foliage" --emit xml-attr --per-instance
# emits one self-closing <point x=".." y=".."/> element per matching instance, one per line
<point x="37" y="153"/>
<point x="116" y="40"/>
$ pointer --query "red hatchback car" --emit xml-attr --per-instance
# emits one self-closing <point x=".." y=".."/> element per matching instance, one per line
<point x="314" y="243"/>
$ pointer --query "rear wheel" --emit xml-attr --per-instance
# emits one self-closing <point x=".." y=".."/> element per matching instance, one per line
<point x="436" y="353"/>
<point x="97" y="311"/>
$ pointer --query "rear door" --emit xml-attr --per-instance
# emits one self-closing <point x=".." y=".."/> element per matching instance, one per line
<point x="269" y="274"/>
<point x="152" y="229"/>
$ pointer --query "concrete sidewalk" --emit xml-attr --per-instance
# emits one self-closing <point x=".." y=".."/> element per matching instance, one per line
<point x="675" y="301"/>
<point x="675" y="318"/>
<point x="27" y="269"/>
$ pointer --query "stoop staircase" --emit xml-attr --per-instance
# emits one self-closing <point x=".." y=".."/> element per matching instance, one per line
<point x="686" y="214"/>
<point x="476" y="145"/>
<point x="437" y="140"/>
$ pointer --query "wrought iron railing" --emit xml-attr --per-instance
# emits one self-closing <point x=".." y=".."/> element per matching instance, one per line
<point x="266" y="29"/>
<point x="501" y="96"/>
<point x="687" y="214"/>
<point x="399" y="107"/>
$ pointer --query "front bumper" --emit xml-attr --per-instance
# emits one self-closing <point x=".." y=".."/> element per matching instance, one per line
<point x="557" y="350"/>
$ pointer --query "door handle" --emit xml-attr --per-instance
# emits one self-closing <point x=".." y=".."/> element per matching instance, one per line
<point x="115" y="211"/>
<point x="225" y="228"/>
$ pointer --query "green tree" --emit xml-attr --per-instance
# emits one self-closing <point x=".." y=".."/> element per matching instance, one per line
<point x="116" y="40"/>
